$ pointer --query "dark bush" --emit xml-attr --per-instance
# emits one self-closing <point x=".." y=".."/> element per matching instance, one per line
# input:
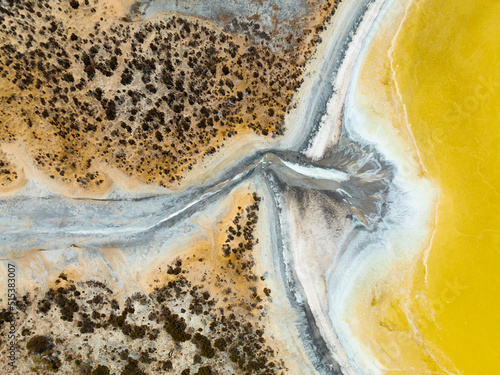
<point x="165" y="365"/>
<point x="101" y="370"/>
<point x="205" y="370"/>
<point x="5" y="316"/>
<point x="44" y="306"/>
<point x="132" y="368"/>
<point x="204" y="344"/>
<point x="38" y="344"/>
<point x="175" y="326"/>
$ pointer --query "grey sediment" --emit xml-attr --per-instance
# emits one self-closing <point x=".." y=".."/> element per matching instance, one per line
<point x="329" y="67"/>
<point x="312" y="340"/>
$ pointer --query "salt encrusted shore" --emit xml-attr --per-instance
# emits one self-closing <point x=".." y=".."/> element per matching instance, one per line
<point x="373" y="115"/>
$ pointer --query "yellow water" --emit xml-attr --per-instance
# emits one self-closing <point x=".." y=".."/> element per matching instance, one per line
<point x="445" y="316"/>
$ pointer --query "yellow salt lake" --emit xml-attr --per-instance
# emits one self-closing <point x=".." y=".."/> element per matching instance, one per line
<point x="442" y="315"/>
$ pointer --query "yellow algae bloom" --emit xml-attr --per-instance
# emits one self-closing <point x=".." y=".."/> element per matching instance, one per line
<point x="443" y="314"/>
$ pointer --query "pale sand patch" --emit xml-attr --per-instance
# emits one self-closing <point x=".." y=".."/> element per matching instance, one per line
<point x="315" y="237"/>
<point x="32" y="173"/>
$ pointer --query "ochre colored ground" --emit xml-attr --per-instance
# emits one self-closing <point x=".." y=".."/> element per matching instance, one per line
<point x="86" y="93"/>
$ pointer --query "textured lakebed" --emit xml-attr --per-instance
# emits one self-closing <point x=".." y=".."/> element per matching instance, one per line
<point x="273" y="240"/>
